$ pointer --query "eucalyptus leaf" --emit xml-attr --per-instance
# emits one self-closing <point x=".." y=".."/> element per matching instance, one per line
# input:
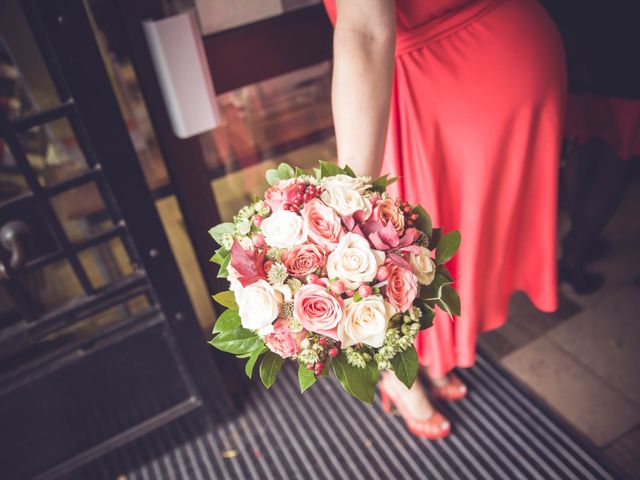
<point x="253" y="358"/>
<point x="218" y="231"/>
<point x="306" y="378"/>
<point x="285" y="171"/>
<point x="227" y="321"/>
<point x="269" y="368"/>
<point x="359" y="382"/>
<point x="447" y="246"/>
<point x="226" y="299"/>
<point x="405" y="366"/>
<point x="272" y="176"/>
<point x="238" y="341"/>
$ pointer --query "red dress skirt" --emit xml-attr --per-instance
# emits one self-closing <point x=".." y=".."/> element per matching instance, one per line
<point x="475" y="129"/>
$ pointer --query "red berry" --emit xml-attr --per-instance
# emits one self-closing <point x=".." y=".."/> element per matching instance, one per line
<point x="414" y="216"/>
<point x="333" y="352"/>
<point x="306" y="197"/>
<point x="301" y="187"/>
<point x="312" y="189"/>
<point x="322" y="342"/>
<point x="297" y="198"/>
<point x="406" y="209"/>
<point x="364" y="290"/>
<point x="287" y="206"/>
<point x="319" y="365"/>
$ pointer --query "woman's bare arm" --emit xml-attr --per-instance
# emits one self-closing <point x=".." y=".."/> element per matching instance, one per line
<point x="363" y="59"/>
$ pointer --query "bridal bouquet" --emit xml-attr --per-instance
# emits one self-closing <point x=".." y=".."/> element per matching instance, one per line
<point x="330" y="271"/>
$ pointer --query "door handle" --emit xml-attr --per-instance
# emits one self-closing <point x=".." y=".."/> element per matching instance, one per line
<point x="14" y="236"/>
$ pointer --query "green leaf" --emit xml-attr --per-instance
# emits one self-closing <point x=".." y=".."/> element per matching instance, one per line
<point x="226" y="299"/>
<point x="328" y="169"/>
<point x="447" y="246"/>
<point x="238" y="341"/>
<point x="405" y="366"/>
<point x="428" y="313"/>
<point x="450" y="300"/>
<point x="423" y="223"/>
<point x="299" y="172"/>
<point x="285" y="171"/>
<point x="269" y="368"/>
<point x="272" y="176"/>
<point x="227" y="321"/>
<point x="219" y="230"/>
<point x="253" y="358"/>
<point x="224" y="271"/>
<point x="220" y="256"/>
<point x="380" y="184"/>
<point x="359" y="382"/>
<point x="306" y="378"/>
<point x="435" y="237"/>
<point x="443" y="274"/>
<point x="347" y="170"/>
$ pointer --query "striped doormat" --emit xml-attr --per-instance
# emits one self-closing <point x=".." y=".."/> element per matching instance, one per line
<point x="499" y="433"/>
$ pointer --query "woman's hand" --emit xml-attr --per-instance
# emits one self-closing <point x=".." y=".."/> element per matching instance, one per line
<point x="363" y="60"/>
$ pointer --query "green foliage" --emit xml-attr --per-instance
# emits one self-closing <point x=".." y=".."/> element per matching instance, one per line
<point x="219" y="230"/>
<point x="229" y="320"/>
<point x="269" y="368"/>
<point x="306" y="377"/>
<point x="423" y="223"/>
<point x="447" y="247"/>
<point x="272" y="176"/>
<point x="449" y="300"/>
<point x="359" y="382"/>
<point x="405" y="366"/>
<point x="435" y="237"/>
<point x="220" y="256"/>
<point x="428" y="313"/>
<point x="285" y="171"/>
<point x="238" y="341"/>
<point x="226" y="299"/>
<point x="224" y="271"/>
<point x="380" y="184"/>
<point x="253" y="358"/>
<point x="299" y="172"/>
<point x="348" y="171"/>
<point x="328" y="169"/>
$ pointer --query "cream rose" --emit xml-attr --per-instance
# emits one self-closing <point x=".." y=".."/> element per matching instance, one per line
<point x="423" y="266"/>
<point x="344" y="194"/>
<point x="260" y="305"/>
<point x="365" y="321"/>
<point x="353" y="261"/>
<point x="284" y="229"/>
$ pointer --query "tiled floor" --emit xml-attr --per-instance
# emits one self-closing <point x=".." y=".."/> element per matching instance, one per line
<point x="583" y="360"/>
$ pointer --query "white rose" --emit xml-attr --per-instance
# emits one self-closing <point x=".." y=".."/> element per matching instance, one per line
<point x="365" y="321"/>
<point x="284" y="229"/>
<point x="354" y="261"/>
<point x="423" y="266"/>
<point x="260" y="305"/>
<point x="344" y="194"/>
<point x="234" y="284"/>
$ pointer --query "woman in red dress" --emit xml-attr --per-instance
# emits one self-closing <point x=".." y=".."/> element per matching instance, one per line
<point x="470" y="94"/>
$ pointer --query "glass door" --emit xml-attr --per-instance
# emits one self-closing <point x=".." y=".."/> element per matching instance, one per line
<point x="99" y="344"/>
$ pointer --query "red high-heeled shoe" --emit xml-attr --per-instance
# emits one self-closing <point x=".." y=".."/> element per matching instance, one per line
<point x="433" y="428"/>
<point x="451" y="391"/>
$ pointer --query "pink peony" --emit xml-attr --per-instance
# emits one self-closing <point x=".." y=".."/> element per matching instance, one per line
<point x="323" y="223"/>
<point x="304" y="259"/>
<point x="282" y="341"/>
<point x="281" y="193"/>
<point x="318" y="310"/>
<point x="402" y="286"/>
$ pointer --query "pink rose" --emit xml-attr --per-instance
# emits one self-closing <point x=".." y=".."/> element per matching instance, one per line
<point x="282" y="192"/>
<point x="322" y="223"/>
<point x="282" y="341"/>
<point x="304" y="259"/>
<point x="318" y="310"/>
<point x="388" y="211"/>
<point x="402" y="286"/>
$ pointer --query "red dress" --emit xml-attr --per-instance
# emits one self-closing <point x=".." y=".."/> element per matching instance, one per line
<point x="477" y="115"/>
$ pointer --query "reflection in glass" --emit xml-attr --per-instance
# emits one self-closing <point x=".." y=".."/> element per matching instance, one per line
<point x="106" y="263"/>
<point x="12" y="183"/>
<point x="23" y="71"/>
<point x="53" y="151"/>
<point x="82" y="211"/>
<point x="51" y="286"/>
